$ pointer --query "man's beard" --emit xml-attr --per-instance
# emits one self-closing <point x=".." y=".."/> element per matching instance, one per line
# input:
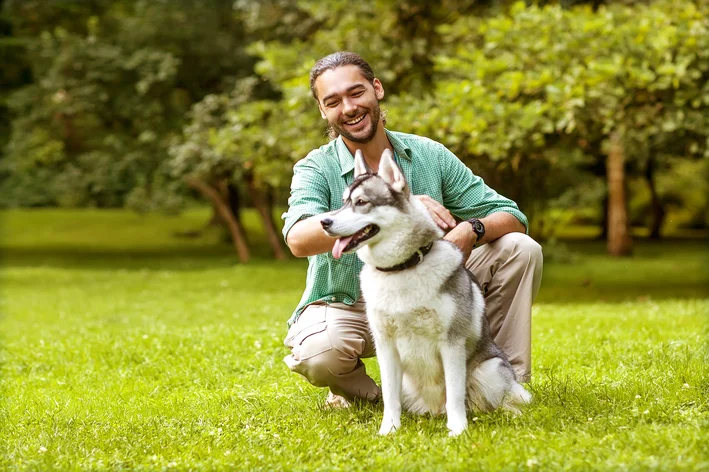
<point x="375" y="114"/>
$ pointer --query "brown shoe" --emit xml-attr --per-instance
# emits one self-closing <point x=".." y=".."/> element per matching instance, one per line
<point x="336" y="401"/>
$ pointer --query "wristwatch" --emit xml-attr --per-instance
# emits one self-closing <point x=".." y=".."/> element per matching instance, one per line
<point x="478" y="228"/>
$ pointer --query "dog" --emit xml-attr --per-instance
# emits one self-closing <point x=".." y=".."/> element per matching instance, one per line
<point x="424" y="308"/>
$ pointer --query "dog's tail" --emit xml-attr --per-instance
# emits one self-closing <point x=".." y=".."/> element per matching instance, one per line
<point x="516" y="398"/>
<point x="492" y="385"/>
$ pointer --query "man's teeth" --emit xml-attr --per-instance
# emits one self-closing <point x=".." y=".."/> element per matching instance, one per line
<point x="355" y="121"/>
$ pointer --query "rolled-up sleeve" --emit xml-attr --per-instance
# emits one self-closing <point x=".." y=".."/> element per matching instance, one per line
<point x="309" y="194"/>
<point x="467" y="196"/>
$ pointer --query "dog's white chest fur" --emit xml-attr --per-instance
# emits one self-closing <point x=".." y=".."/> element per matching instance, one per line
<point x="409" y="309"/>
<point x="410" y="303"/>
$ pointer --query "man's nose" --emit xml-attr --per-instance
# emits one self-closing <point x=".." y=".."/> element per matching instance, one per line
<point x="326" y="223"/>
<point x="349" y="106"/>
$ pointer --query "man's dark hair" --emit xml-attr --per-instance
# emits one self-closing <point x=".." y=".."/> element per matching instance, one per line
<point x="339" y="59"/>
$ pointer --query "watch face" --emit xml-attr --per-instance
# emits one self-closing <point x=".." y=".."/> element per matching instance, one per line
<point x="479" y="227"/>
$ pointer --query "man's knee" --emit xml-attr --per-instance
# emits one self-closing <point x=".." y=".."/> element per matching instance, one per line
<point x="521" y="245"/>
<point x="317" y="357"/>
<point x="321" y="349"/>
<point x="322" y="368"/>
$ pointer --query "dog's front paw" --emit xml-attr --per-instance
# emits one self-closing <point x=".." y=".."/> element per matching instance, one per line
<point x="389" y="426"/>
<point x="456" y="426"/>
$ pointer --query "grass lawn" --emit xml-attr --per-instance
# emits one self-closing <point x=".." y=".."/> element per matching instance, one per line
<point x="124" y="346"/>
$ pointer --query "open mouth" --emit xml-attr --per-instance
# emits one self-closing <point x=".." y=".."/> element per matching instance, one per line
<point x="356" y="121"/>
<point x="349" y="243"/>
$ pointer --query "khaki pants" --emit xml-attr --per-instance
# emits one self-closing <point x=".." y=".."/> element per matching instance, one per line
<point x="328" y="340"/>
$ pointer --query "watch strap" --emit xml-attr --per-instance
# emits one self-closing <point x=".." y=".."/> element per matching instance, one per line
<point x="478" y="228"/>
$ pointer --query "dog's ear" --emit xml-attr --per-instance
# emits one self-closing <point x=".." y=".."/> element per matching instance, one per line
<point x="390" y="172"/>
<point x="360" y="166"/>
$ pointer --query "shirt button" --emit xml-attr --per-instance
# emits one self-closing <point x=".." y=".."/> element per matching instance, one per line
<point x="333" y="298"/>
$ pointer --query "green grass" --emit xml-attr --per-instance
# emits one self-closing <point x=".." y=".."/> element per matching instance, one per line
<point x="127" y="347"/>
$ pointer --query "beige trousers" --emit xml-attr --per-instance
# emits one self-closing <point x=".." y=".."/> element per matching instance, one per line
<point x="328" y="340"/>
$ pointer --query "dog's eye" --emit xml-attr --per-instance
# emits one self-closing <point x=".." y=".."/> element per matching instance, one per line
<point x="360" y="202"/>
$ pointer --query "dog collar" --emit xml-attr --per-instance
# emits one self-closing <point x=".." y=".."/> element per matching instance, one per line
<point x="415" y="259"/>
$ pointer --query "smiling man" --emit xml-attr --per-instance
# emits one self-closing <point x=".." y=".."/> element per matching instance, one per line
<point x="328" y="333"/>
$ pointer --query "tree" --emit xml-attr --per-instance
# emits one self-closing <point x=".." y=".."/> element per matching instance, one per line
<point x="111" y="87"/>
<point x="223" y="143"/>
<point x="585" y="77"/>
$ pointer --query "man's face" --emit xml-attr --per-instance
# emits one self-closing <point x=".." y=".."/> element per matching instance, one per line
<point x="349" y="102"/>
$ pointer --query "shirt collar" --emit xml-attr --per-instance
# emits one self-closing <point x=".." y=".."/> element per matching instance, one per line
<point x="347" y="159"/>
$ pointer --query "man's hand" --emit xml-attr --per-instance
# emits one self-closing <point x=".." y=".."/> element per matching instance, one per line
<point x="496" y="225"/>
<point x="464" y="237"/>
<point x="439" y="213"/>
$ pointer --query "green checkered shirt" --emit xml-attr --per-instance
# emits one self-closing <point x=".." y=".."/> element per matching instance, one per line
<point x="430" y="169"/>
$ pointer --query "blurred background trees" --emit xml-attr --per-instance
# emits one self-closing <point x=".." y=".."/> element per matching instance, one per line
<point x="591" y="112"/>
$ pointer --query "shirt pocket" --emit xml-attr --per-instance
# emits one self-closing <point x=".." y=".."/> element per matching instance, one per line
<point x="346" y="260"/>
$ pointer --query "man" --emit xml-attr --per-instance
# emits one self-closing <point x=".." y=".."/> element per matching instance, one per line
<point x="328" y="332"/>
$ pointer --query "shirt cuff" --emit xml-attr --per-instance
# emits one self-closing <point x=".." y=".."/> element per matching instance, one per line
<point x="291" y="220"/>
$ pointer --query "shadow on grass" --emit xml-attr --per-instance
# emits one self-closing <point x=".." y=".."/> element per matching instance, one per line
<point x="145" y="258"/>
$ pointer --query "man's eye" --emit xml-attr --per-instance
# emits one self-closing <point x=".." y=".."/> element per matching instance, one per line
<point x="331" y="104"/>
<point x="360" y="202"/>
<point x="357" y="94"/>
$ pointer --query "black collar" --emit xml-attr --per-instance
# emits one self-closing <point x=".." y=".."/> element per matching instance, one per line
<point x="412" y="261"/>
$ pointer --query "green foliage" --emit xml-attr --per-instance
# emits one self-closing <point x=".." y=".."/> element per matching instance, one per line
<point x="96" y="120"/>
<point x="690" y="209"/>
<point x="536" y="88"/>
<point x="232" y="136"/>
<point x="111" y="90"/>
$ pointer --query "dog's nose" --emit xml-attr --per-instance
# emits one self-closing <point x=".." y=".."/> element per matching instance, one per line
<point x="326" y="223"/>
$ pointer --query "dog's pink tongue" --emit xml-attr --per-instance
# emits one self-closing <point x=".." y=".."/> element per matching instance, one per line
<point x="340" y="246"/>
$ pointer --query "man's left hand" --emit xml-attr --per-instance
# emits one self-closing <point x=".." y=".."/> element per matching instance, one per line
<point x="464" y="237"/>
<point x="440" y="214"/>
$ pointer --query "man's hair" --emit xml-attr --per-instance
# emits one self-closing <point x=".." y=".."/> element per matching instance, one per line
<point x="339" y="59"/>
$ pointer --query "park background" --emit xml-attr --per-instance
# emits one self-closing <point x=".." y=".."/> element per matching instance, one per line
<point x="146" y="149"/>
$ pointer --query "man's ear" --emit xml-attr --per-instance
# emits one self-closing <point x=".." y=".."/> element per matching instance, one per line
<point x="322" y="112"/>
<point x="378" y="89"/>
<point x="390" y="172"/>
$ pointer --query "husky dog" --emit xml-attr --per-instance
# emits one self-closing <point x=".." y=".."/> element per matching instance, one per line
<point x="425" y="310"/>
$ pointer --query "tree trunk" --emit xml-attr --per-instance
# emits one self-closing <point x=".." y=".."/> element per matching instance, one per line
<point x="658" y="211"/>
<point x="603" y="236"/>
<point x="619" y="241"/>
<point x="73" y="142"/>
<point x="264" y="210"/>
<point x="221" y="205"/>
<point x="215" y="219"/>
<point x="234" y="201"/>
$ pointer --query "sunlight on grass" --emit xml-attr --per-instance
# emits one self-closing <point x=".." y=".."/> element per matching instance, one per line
<point x="129" y="357"/>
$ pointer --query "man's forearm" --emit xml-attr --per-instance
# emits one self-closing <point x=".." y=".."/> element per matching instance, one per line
<point x="499" y="224"/>
<point x="496" y="225"/>
<point x="307" y="238"/>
